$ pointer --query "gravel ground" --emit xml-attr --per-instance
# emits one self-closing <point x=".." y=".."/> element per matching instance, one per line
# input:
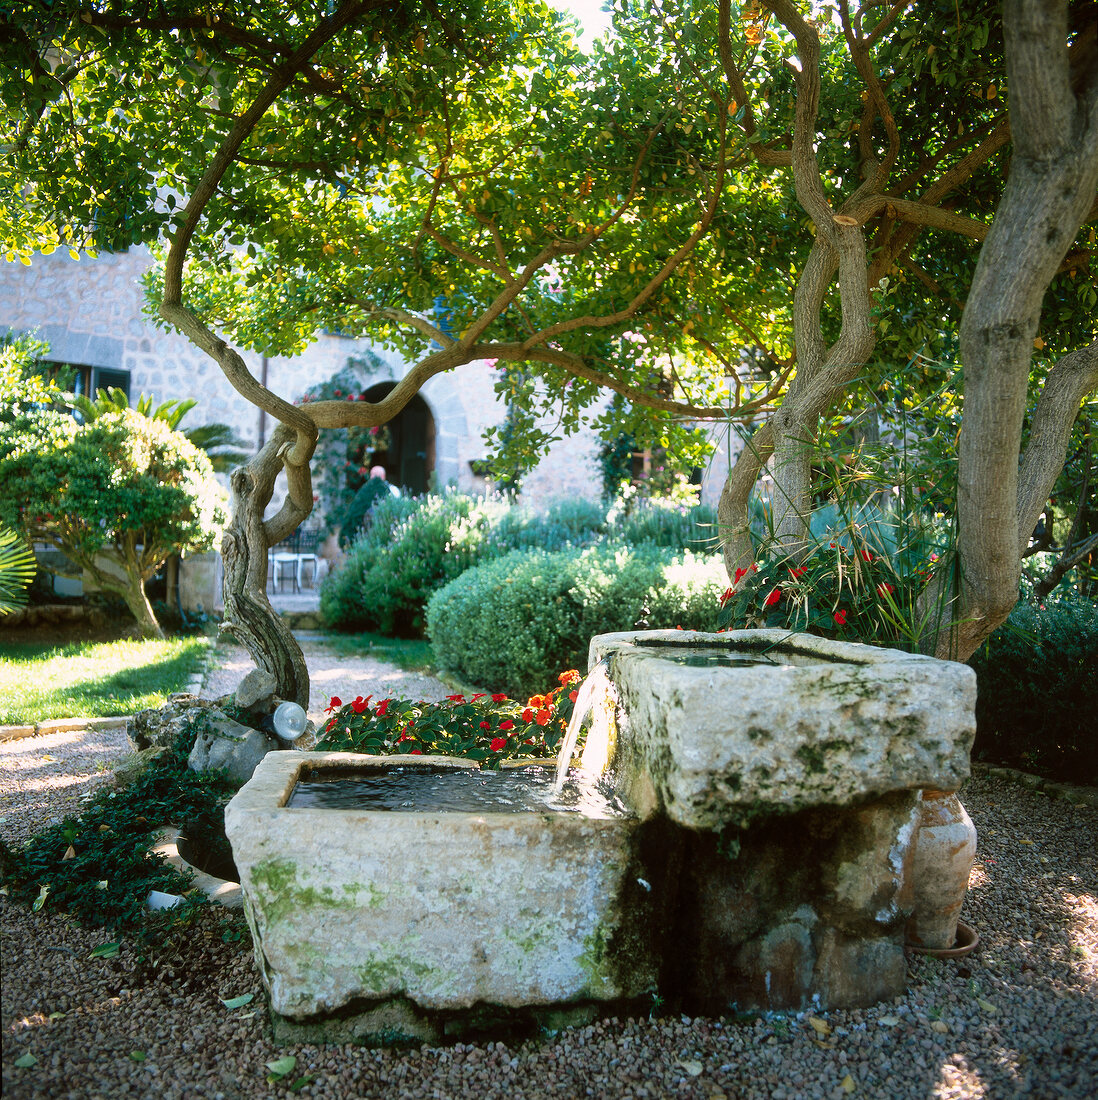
<point x="1018" y="1017"/>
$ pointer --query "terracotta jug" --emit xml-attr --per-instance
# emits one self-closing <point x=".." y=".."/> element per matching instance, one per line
<point x="944" y="850"/>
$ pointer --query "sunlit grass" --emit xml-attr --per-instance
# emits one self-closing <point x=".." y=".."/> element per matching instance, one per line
<point x="411" y="654"/>
<point x="93" y="679"/>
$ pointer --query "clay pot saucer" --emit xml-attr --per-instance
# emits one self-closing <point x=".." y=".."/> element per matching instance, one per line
<point x="966" y="940"/>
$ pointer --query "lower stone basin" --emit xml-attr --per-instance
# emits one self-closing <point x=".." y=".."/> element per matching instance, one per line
<point x="443" y="911"/>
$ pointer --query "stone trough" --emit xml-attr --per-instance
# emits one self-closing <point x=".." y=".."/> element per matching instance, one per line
<point x="764" y="862"/>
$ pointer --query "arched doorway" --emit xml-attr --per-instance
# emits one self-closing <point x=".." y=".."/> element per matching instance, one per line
<point x="408" y="451"/>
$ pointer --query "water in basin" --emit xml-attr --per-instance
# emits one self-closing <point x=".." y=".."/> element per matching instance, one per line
<point x="446" y="790"/>
<point x="724" y="657"/>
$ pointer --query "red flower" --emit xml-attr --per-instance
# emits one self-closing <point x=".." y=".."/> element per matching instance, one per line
<point x="740" y="574"/>
<point x="416" y="752"/>
<point x="867" y="555"/>
<point x="456" y="698"/>
<point x="335" y="704"/>
<point x="486" y="725"/>
<point x="774" y="596"/>
<point x="726" y="595"/>
<point x="479" y="695"/>
<point x="360" y="704"/>
<point x="572" y="676"/>
<point x="542" y="717"/>
<point x="499" y="698"/>
<point x="328" y="727"/>
<point x="507" y="724"/>
<point x="499" y="744"/>
<point x="572" y="695"/>
<point x="884" y="587"/>
<point x="528" y="714"/>
<point x="382" y="707"/>
<point x="840" y="618"/>
<point x="799" y="571"/>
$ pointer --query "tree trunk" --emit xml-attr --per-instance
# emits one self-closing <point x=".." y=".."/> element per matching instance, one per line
<point x="248" y="613"/>
<point x="1052" y="183"/>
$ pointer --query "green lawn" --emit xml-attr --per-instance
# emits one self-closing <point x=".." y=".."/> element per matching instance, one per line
<point x="412" y="654"/>
<point x="93" y="679"/>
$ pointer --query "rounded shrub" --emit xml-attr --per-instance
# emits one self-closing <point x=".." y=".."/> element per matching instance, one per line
<point x="410" y="549"/>
<point x="1037" y="682"/>
<point x="513" y="623"/>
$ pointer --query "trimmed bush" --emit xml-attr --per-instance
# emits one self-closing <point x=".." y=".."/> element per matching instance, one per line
<point x="1037" y="686"/>
<point x="410" y="550"/>
<point x="413" y="546"/>
<point x="667" y="523"/>
<point x="511" y="624"/>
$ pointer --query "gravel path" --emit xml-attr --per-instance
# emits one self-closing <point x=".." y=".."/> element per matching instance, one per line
<point x="1018" y="1017"/>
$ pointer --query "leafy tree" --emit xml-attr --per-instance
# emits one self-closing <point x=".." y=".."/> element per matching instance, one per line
<point x="116" y="495"/>
<point x="219" y="441"/>
<point x="717" y="216"/>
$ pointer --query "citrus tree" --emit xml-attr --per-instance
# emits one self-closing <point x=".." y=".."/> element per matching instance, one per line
<point x="117" y="495"/>
<point x="719" y="214"/>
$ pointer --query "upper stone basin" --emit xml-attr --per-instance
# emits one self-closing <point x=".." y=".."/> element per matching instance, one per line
<point x="820" y="723"/>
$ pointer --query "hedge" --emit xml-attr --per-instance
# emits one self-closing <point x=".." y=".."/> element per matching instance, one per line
<point x="512" y="624"/>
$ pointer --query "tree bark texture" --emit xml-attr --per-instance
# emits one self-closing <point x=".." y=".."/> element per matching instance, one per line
<point x="244" y="545"/>
<point x="1051" y="188"/>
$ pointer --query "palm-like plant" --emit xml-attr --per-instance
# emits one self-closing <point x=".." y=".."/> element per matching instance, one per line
<point x="17" y="567"/>
<point x="218" y="440"/>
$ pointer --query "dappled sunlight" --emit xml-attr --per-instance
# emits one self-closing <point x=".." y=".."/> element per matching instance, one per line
<point x="957" y="1078"/>
<point x="1083" y="932"/>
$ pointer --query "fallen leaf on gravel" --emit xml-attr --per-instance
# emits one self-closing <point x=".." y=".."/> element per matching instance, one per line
<point x="238" y="1002"/>
<point x="1024" y="841"/>
<point x="58" y="1015"/>
<point x="821" y="1027"/>
<point x="300" y="1083"/>
<point x="47" y="759"/>
<point x="43" y="893"/>
<point x="692" y="1067"/>
<point x="105" y="951"/>
<point x="822" y="1045"/>
<point x="70" y="853"/>
<point x="280" y="1067"/>
<point x="137" y="1055"/>
<point x="25" y="1061"/>
<point x="847" y="1083"/>
<point x="987" y="1006"/>
<point x="940" y="1026"/>
<point x="102" y="884"/>
<point x="104" y="828"/>
<point x="889" y="1021"/>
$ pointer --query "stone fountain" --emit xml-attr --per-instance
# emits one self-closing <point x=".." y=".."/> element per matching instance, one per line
<point x="770" y="783"/>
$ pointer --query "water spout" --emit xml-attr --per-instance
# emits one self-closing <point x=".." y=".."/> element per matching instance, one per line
<point x="595" y="685"/>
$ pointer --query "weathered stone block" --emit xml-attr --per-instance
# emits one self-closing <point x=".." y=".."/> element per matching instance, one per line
<point x="445" y="909"/>
<point x="827" y="723"/>
<point x="227" y="745"/>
